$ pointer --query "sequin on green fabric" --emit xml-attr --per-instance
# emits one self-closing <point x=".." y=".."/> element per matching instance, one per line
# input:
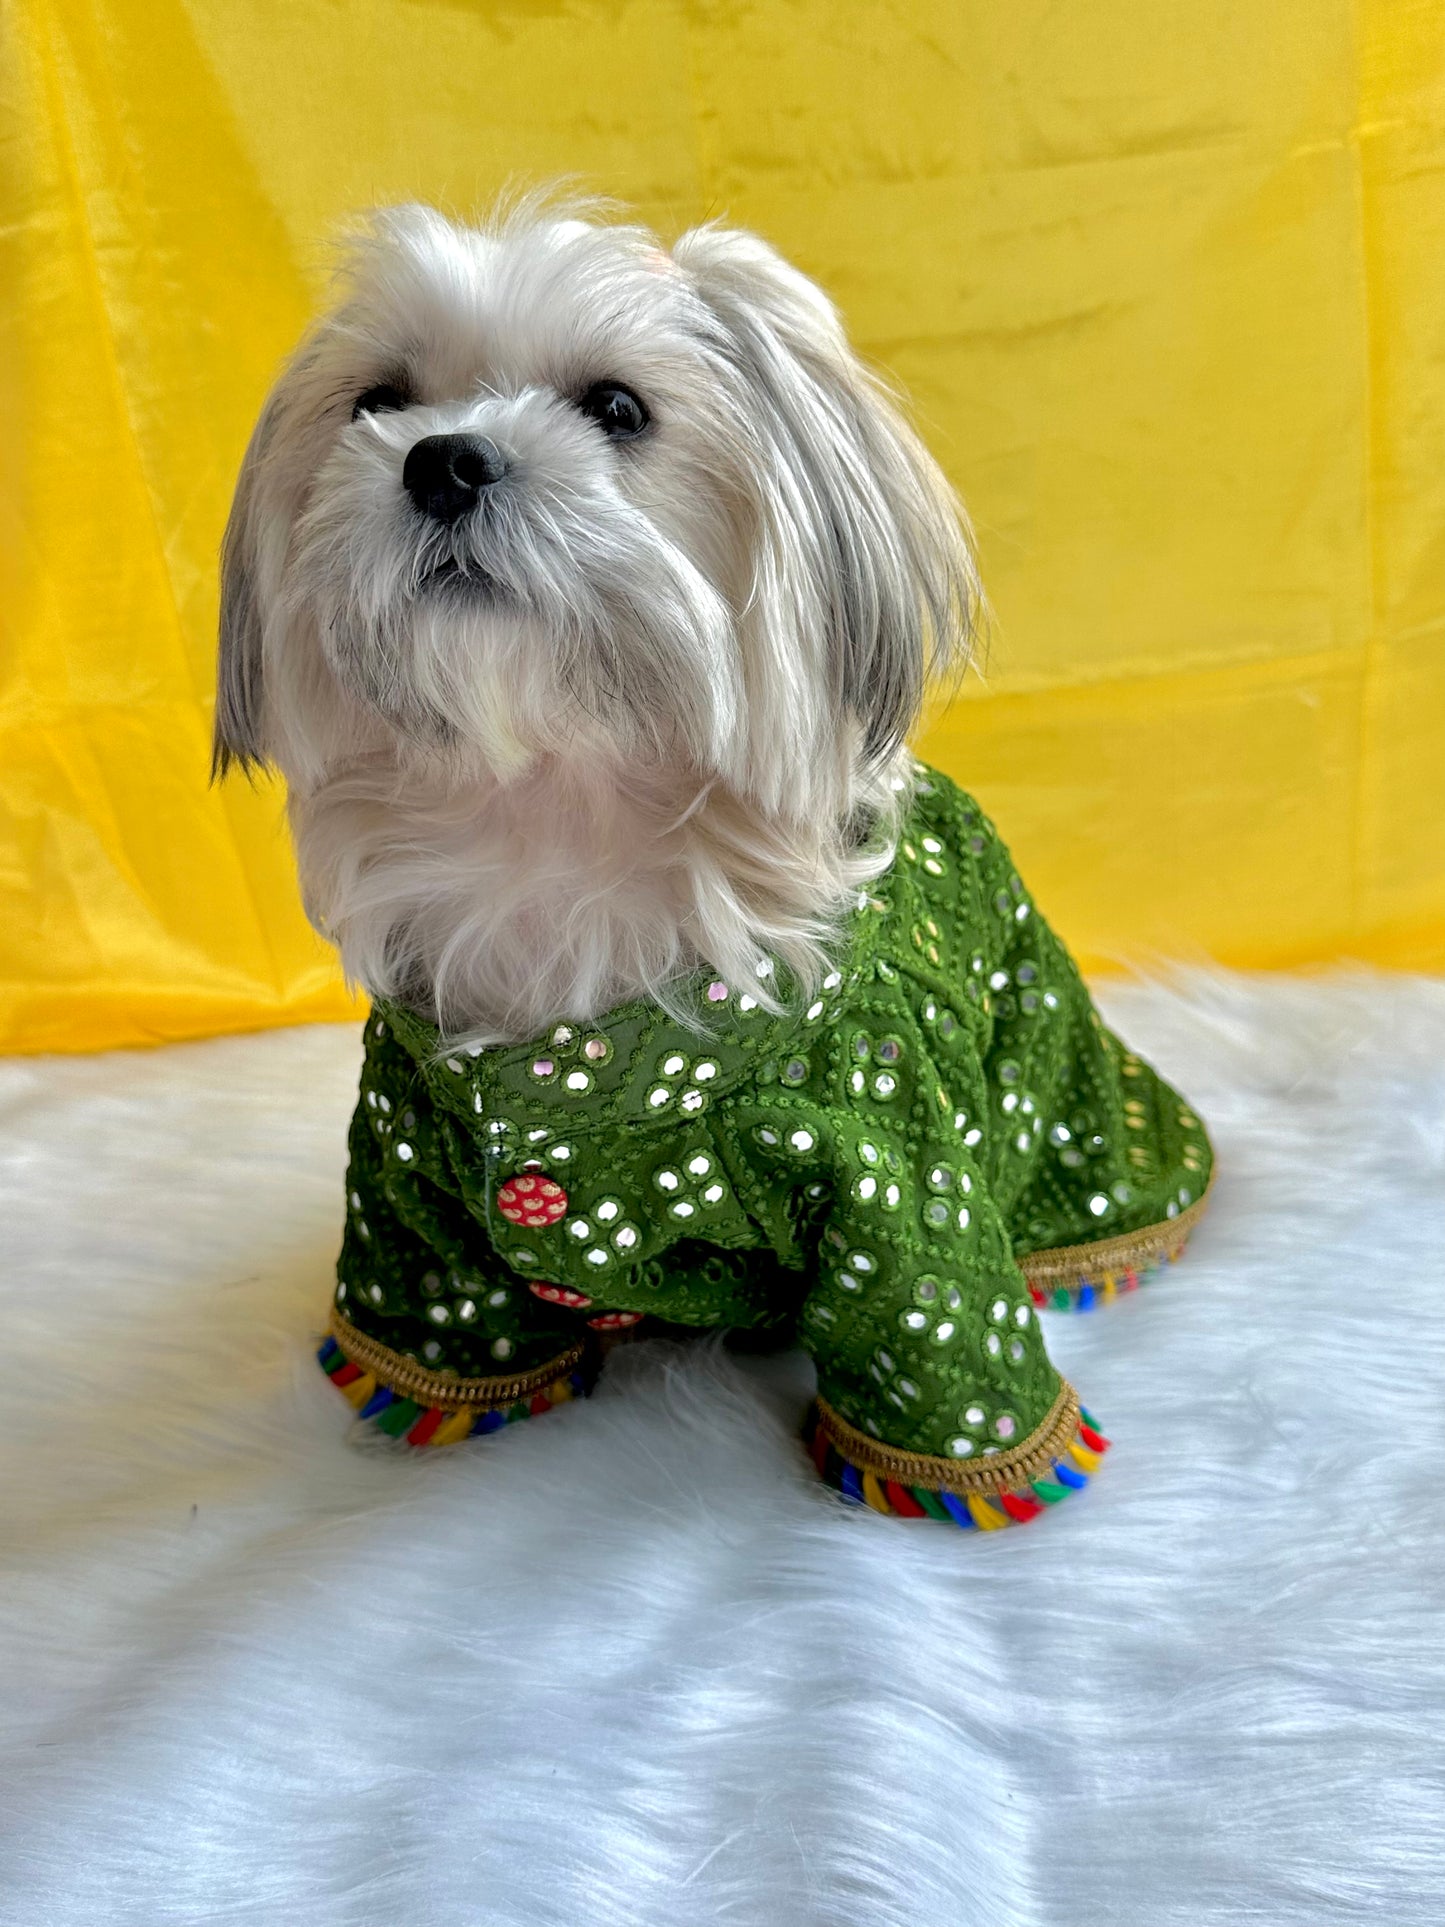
<point x="865" y="1170"/>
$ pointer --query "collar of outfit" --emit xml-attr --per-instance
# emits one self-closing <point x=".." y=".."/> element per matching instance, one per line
<point x="898" y="1174"/>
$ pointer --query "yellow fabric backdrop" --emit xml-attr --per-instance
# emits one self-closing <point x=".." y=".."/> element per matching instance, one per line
<point x="1168" y="286"/>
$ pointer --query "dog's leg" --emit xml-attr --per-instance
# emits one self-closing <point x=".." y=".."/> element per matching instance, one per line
<point x="935" y="1393"/>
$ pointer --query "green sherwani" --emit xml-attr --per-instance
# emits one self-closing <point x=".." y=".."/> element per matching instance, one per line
<point x="899" y="1173"/>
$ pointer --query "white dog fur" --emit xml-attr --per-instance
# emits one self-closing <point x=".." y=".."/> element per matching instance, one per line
<point x="643" y="706"/>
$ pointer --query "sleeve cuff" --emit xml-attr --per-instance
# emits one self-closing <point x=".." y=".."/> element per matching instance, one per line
<point x="405" y="1400"/>
<point x="998" y="1489"/>
<point x="1078" y="1277"/>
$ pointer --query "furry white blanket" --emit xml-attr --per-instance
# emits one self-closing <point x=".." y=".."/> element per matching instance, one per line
<point x="629" y="1665"/>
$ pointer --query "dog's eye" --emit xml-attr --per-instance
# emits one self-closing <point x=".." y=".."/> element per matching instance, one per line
<point x="377" y="401"/>
<point x="615" y="409"/>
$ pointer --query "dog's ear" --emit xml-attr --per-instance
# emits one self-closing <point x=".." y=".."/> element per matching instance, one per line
<point x="237" y="735"/>
<point x="861" y="535"/>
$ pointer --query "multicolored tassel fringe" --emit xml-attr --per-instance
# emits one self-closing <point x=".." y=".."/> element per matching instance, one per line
<point x="1087" y="1290"/>
<point x="974" y="1511"/>
<point x="1079" y="1277"/>
<point x="407" y="1418"/>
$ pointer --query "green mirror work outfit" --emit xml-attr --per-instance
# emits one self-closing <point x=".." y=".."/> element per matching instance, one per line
<point x="900" y="1174"/>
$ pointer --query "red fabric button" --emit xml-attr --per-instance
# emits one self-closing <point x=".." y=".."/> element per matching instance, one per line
<point x="531" y="1200"/>
<point x="560" y="1295"/>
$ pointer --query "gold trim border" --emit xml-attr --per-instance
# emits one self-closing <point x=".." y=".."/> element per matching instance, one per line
<point x="400" y="1374"/>
<point x="999" y="1472"/>
<point x="1128" y="1252"/>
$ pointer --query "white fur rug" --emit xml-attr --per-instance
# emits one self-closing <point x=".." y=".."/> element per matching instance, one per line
<point x="628" y="1665"/>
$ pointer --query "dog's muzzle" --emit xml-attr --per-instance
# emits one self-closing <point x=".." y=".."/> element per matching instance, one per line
<point x="445" y="474"/>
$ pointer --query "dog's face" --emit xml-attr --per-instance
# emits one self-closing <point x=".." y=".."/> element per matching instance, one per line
<point x="545" y="489"/>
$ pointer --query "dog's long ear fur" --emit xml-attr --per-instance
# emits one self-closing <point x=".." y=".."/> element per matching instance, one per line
<point x="861" y="539"/>
<point x="237" y="736"/>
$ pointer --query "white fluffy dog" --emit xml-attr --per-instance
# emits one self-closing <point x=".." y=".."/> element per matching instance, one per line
<point x="584" y="593"/>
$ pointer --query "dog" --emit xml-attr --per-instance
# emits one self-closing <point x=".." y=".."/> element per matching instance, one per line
<point x="585" y="593"/>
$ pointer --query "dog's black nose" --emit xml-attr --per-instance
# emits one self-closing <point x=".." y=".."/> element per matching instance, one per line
<point x="444" y="474"/>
